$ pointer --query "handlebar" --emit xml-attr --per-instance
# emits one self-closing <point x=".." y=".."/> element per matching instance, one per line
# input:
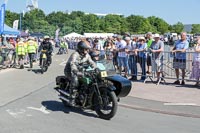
<point x="43" y="51"/>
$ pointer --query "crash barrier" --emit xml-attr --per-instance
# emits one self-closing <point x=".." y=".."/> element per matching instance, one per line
<point x="165" y="64"/>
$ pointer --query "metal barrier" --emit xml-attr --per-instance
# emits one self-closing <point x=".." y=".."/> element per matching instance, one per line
<point x="167" y="64"/>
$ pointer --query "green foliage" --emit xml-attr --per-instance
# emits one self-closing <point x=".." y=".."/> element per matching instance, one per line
<point x="178" y="27"/>
<point x="195" y="28"/>
<point x="158" y="24"/>
<point x="77" y="21"/>
<point x="10" y="17"/>
<point x="138" y="24"/>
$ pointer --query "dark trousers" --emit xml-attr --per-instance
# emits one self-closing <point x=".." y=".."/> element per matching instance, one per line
<point x="133" y="65"/>
<point x="49" y="59"/>
<point x="31" y="57"/>
<point x="142" y="62"/>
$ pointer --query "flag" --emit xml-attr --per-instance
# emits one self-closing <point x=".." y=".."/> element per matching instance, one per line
<point x="57" y="34"/>
<point x="15" y="24"/>
<point x="2" y="18"/>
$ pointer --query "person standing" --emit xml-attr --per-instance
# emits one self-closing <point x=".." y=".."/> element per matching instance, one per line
<point x="196" y="63"/>
<point x="157" y="48"/>
<point x="122" y="55"/>
<point x="179" y="61"/>
<point x="21" y="52"/>
<point x="31" y="49"/>
<point x="131" y="46"/>
<point x="142" y="47"/>
<point x="149" y="42"/>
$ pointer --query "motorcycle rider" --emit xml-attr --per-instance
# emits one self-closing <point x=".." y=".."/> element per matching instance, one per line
<point x="46" y="45"/>
<point x="76" y="60"/>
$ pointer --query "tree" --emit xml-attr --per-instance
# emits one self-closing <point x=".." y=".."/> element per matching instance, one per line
<point x="178" y="27"/>
<point x="158" y="24"/>
<point x="113" y="23"/>
<point x="57" y="18"/>
<point x="195" y="28"/>
<point x="11" y="17"/>
<point x="73" y="15"/>
<point x="138" y="24"/>
<point x="90" y="23"/>
<point x="32" y="18"/>
<point x="74" y="25"/>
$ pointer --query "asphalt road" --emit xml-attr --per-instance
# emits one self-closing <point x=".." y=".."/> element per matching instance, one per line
<point x="29" y="104"/>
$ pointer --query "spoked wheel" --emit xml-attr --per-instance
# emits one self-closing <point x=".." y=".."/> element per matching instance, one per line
<point x="108" y="107"/>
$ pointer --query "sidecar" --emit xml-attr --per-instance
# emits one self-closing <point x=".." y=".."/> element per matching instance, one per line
<point x="123" y="86"/>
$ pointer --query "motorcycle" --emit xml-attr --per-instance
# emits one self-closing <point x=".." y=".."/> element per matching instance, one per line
<point x="97" y="91"/>
<point x="61" y="51"/>
<point x="44" y="65"/>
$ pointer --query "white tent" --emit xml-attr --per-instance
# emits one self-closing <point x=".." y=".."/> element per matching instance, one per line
<point x="73" y="34"/>
<point x="98" y="34"/>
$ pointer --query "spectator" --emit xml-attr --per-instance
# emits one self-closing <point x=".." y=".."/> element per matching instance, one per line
<point x="109" y="49"/>
<point x="179" y="61"/>
<point x="131" y="46"/>
<point x="122" y="56"/>
<point x="149" y="42"/>
<point x="142" y="47"/>
<point x="196" y="63"/>
<point x="157" y="48"/>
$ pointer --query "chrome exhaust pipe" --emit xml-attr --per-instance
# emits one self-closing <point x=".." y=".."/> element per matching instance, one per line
<point x="63" y="92"/>
<point x="63" y="98"/>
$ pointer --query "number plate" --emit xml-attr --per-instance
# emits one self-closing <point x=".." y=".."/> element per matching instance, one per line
<point x="44" y="56"/>
<point x="104" y="74"/>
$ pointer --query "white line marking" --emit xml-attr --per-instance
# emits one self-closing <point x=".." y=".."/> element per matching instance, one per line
<point x="180" y="104"/>
<point x="42" y="109"/>
<point x="16" y="114"/>
<point x="63" y="63"/>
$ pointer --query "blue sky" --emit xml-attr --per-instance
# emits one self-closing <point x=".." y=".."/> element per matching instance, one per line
<point x="171" y="11"/>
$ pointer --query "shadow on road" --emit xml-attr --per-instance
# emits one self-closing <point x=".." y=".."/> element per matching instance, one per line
<point x="37" y="71"/>
<point x="58" y="106"/>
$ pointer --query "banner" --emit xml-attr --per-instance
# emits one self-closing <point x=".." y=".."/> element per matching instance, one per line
<point x="57" y="34"/>
<point x="2" y="18"/>
<point x="15" y="24"/>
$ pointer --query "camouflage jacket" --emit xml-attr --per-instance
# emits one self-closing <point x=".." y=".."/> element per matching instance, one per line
<point x="76" y="60"/>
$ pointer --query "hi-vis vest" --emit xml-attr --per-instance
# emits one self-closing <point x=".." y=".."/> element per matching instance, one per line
<point x="31" y="46"/>
<point x="20" y="48"/>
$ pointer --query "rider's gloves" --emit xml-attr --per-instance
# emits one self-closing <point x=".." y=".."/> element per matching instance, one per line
<point x="79" y="74"/>
<point x="97" y="70"/>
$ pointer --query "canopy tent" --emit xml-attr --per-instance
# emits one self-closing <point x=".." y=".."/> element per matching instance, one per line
<point x="10" y="31"/>
<point x="24" y="34"/>
<point x="37" y="34"/>
<point x="98" y="34"/>
<point x="73" y="34"/>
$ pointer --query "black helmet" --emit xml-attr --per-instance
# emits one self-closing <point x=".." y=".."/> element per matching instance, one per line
<point x="93" y="55"/>
<point x="81" y="46"/>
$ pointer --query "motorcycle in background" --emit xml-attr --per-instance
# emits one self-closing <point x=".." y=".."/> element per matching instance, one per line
<point x="44" y="65"/>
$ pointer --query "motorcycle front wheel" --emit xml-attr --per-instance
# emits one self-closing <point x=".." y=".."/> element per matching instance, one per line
<point x="44" y="65"/>
<point x="107" y="107"/>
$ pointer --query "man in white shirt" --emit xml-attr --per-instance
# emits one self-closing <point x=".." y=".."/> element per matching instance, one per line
<point x="122" y="55"/>
<point x="132" y="57"/>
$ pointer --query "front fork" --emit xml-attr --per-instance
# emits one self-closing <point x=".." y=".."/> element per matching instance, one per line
<point x="97" y="92"/>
